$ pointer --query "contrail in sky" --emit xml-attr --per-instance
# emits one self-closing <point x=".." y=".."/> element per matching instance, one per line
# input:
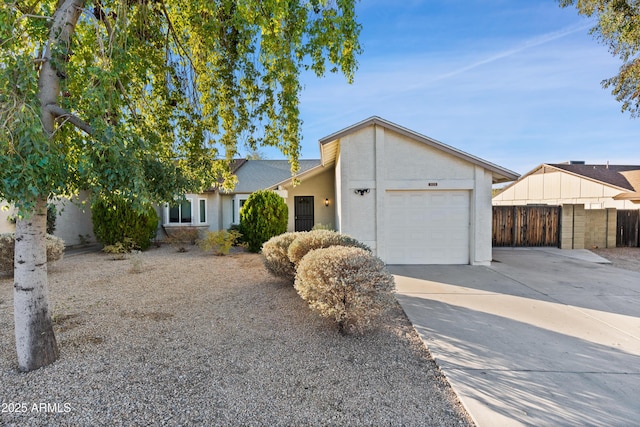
<point x="536" y="41"/>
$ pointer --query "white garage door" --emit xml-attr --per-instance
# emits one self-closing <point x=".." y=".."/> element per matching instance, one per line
<point x="426" y="227"/>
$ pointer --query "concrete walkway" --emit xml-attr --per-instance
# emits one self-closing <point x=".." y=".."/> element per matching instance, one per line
<point x="542" y="337"/>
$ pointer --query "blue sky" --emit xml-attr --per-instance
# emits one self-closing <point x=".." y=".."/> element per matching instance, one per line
<point x="515" y="82"/>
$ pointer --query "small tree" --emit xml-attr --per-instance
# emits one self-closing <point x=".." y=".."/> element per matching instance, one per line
<point x="264" y="215"/>
<point x="116" y="221"/>
<point x="145" y="99"/>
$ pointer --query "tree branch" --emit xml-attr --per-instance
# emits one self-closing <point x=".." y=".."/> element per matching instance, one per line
<point x="62" y="114"/>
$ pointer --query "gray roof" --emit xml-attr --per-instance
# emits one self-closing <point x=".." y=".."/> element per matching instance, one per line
<point x="254" y="175"/>
<point x="608" y="174"/>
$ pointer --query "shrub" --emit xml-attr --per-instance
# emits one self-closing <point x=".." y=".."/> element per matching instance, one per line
<point x="181" y="237"/>
<point x="119" y="250"/>
<point x="52" y="213"/>
<point x="317" y="239"/>
<point x="115" y="220"/>
<point x="321" y="226"/>
<point x="346" y="284"/>
<point x="219" y="242"/>
<point x="264" y="215"/>
<point x="55" y="250"/>
<point x="276" y="257"/>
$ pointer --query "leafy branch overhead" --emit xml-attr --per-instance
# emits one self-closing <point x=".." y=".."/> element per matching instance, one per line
<point x="142" y="101"/>
<point x="147" y="98"/>
<point x="618" y="27"/>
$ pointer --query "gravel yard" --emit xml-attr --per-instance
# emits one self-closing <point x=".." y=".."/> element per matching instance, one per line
<point x="626" y="258"/>
<point x="192" y="339"/>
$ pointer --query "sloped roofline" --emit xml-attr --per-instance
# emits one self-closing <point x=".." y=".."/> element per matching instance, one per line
<point x="502" y="174"/>
<point x="549" y="165"/>
<point x="306" y="174"/>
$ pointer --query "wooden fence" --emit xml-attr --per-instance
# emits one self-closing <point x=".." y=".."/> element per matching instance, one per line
<point x="526" y="225"/>
<point x="628" y="228"/>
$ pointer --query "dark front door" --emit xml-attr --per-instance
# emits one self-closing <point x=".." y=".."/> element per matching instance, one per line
<point x="303" y="213"/>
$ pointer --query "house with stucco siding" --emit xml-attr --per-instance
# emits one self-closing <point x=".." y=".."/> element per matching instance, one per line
<point x="412" y="199"/>
<point x="601" y="186"/>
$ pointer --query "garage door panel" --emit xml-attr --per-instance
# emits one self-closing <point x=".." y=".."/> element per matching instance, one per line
<point x="427" y="227"/>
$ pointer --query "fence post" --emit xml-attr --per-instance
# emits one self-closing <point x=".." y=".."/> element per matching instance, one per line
<point x="566" y="237"/>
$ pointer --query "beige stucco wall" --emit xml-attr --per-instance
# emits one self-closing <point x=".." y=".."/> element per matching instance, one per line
<point x="381" y="160"/>
<point x="321" y="186"/>
<point x="558" y="188"/>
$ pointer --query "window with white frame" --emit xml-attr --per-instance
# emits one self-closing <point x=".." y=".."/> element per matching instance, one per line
<point x="236" y="206"/>
<point x="202" y="211"/>
<point x="180" y="212"/>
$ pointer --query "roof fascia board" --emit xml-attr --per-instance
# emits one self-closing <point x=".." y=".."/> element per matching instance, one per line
<point x="306" y="174"/>
<point x="375" y="120"/>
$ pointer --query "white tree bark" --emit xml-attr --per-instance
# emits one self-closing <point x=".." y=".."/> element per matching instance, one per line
<point x="35" y="341"/>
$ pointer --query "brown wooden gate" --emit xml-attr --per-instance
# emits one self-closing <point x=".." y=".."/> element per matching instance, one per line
<point x="526" y="225"/>
<point x="628" y="228"/>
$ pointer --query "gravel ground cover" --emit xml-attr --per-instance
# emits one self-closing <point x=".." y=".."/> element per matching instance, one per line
<point x="626" y="258"/>
<point x="191" y="339"/>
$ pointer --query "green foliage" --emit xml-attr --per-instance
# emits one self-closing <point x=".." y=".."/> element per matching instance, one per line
<point x="320" y="226"/>
<point x="147" y="99"/>
<point x="618" y="27"/>
<point x="276" y="258"/>
<point x="52" y="214"/>
<point x="219" y="242"/>
<point x="317" y="239"/>
<point x="120" y="249"/>
<point x="346" y="284"/>
<point x="115" y="221"/>
<point x="55" y="250"/>
<point x="264" y="215"/>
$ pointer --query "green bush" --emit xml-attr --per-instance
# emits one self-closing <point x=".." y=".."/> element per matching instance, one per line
<point x="317" y="239"/>
<point x="115" y="220"/>
<point x="276" y="257"/>
<point x="264" y="215"/>
<point x="52" y="213"/>
<point x="55" y="250"/>
<point x="346" y="284"/>
<point x="219" y="242"/>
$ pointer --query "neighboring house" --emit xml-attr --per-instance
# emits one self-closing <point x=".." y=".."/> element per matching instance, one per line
<point x="576" y="183"/>
<point x="412" y="199"/>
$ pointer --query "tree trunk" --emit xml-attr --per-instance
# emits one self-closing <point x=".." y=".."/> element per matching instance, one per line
<point x="35" y="341"/>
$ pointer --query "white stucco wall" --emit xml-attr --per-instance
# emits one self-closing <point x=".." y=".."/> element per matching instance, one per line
<point x="73" y="220"/>
<point x="559" y="188"/>
<point x="380" y="160"/>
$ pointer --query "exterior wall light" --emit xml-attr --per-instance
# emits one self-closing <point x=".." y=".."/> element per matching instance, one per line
<point x="326" y="202"/>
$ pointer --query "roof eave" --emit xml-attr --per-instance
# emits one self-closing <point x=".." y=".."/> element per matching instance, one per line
<point x="500" y="174"/>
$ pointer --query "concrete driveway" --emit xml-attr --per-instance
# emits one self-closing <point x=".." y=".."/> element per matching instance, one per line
<point x="542" y="337"/>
